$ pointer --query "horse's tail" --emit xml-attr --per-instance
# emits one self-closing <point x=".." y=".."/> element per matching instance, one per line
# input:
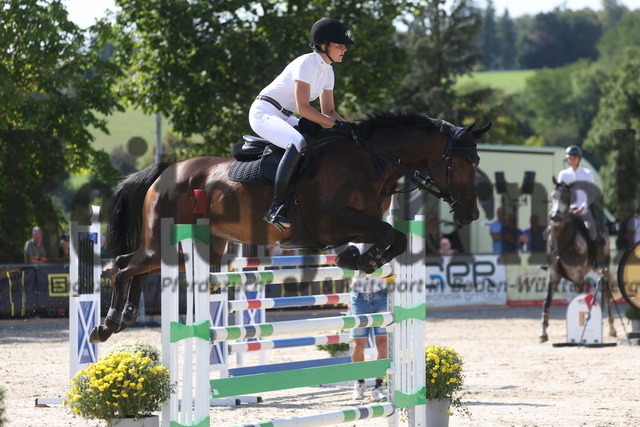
<point x="125" y="212"/>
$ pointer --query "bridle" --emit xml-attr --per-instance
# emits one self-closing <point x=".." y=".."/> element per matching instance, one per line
<point x="416" y="179"/>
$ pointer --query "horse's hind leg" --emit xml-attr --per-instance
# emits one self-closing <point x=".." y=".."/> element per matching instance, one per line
<point x="137" y="264"/>
<point x="607" y="296"/>
<point x="131" y="309"/>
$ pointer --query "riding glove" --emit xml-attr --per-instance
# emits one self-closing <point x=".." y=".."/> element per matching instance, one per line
<point x="346" y="128"/>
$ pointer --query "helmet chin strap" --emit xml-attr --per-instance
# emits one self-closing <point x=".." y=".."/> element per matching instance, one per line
<point x="326" y="52"/>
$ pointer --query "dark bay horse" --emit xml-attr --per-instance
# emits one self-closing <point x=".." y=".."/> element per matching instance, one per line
<point x="341" y="200"/>
<point x="570" y="256"/>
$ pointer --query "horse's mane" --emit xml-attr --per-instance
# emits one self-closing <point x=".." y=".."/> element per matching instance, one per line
<point x="400" y="117"/>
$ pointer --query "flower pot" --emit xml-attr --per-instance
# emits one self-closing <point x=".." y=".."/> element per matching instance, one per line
<point x="438" y="412"/>
<point x="150" y="421"/>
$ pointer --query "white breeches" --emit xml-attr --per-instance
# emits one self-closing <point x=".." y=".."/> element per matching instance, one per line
<point x="274" y="126"/>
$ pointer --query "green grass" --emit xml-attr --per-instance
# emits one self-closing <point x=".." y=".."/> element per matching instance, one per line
<point x="508" y="81"/>
<point x="124" y="126"/>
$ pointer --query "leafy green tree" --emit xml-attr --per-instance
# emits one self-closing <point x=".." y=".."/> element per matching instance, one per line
<point x="619" y="108"/>
<point x="561" y="37"/>
<point x="508" y="42"/>
<point x="442" y="48"/>
<point x="490" y="42"/>
<point x="53" y="83"/>
<point x="201" y="63"/>
<point x="623" y="35"/>
<point x="563" y="102"/>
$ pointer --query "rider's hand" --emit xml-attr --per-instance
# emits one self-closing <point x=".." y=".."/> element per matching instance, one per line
<point x="346" y="128"/>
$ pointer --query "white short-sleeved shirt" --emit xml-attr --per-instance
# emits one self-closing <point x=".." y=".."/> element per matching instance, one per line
<point x="309" y="68"/>
<point x="584" y="179"/>
<point x="634" y="224"/>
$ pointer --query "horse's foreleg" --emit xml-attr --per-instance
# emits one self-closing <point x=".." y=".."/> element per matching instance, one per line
<point x="551" y="288"/>
<point x="384" y="237"/>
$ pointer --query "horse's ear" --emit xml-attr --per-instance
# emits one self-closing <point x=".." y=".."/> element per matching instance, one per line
<point x="479" y="132"/>
<point x="554" y="180"/>
<point x="470" y="128"/>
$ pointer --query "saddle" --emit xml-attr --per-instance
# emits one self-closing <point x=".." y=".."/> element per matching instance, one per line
<point x="257" y="159"/>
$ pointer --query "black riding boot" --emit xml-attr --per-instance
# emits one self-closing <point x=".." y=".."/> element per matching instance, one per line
<point x="286" y="168"/>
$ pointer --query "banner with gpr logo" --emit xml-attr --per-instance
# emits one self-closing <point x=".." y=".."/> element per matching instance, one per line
<point x="465" y="280"/>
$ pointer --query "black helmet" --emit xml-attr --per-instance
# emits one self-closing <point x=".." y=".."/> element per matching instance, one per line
<point x="573" y="151"/>
<point x="329" y="30"/>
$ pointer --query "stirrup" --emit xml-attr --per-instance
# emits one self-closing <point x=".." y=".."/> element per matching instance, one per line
<point x="273" y="217"/>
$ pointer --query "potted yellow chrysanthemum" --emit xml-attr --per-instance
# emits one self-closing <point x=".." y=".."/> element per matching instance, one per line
<point x="444" y="379"/>
<point x="123" y="388"/>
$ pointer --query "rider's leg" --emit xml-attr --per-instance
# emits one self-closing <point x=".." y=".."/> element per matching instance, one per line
<point x="287" y="167"/>
<point x="592" y="227"/>
<point x="277" y="128"/>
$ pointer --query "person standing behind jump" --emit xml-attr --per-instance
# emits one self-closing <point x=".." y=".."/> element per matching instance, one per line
<point x="368" y="296"/>
<point x="304" y="80"/>
<point x="583" y="187"/>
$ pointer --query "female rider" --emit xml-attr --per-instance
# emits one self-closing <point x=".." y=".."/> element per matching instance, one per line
<point x="304" y="80"/>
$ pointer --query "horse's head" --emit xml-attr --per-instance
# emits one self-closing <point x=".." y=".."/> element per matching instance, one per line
<point x="560" y="201"/>
<point x="454" y="173"/>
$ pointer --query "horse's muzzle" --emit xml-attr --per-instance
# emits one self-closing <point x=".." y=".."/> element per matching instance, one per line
<point x="556" y="217"/>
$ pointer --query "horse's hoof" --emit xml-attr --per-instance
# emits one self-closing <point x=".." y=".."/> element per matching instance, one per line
<point x="544" y="338"/>
<point x="100" y="334"/>
<point x="348" y="259"/>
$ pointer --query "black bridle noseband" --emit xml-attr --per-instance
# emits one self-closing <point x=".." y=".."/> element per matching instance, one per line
<point x="415" y="177"/>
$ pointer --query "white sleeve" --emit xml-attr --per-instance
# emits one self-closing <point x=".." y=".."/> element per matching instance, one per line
<point x="302" y="71"/>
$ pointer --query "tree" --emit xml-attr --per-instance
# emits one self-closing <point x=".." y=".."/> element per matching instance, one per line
<point x="201" y="63"/>
<point x="53" y="82"/>
<point x="442" y="48"/>
<point x="563" y="102"/>
<point x="624" y="34"/>
<point x="561" y="37"/>
<point x="490" y="42"/>
<point x="508" y="42"/>
<point x="619" y="108"/>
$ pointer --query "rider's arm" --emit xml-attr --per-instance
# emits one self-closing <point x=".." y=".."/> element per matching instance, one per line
<point x="303" y="105"/>
<point x="327" y="105"/>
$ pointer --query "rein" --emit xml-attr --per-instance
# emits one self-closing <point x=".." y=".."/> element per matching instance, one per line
<point x="415" y="177"/>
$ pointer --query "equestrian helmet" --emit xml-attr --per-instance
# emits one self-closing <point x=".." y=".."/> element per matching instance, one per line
<point x="329" y="30"/>
<point x="573" y="151"/>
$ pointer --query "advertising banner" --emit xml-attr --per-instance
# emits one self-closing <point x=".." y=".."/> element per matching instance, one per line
<point x="465" y="280"/>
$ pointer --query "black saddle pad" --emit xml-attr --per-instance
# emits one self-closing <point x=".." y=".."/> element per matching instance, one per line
<point x="261" y="171"/>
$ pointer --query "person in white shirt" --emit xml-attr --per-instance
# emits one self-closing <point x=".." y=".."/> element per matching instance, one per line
<point x="633" y="228"/>
<point x="583" y="190"/>
<point x="305" y="79"/>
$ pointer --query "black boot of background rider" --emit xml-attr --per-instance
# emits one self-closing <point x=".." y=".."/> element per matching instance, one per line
<point x="286" y="169"/>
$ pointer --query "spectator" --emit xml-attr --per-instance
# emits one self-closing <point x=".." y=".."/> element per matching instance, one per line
<point x="633" y="228"/>
<point x="368" y="295"/>
<point x="63" y="249"/>
<point x="34" y="250"/>
<point x="433" y="234"/>
<point x="534" y="235"/>
<point x="512" y="236"/>
<point x="445" y="247"/>
<point x="496" y="230"/>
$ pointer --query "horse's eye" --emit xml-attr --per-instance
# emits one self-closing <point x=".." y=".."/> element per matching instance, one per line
<point x="461" y="164"/>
